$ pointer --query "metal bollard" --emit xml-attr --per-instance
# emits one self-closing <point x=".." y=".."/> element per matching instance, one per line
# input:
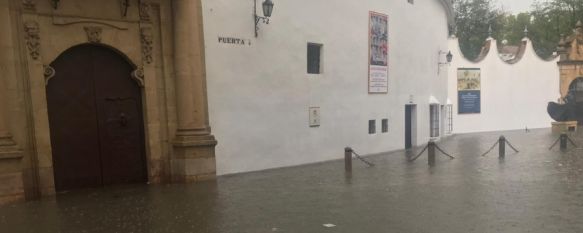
<point x="348" y="159"/>
<point x="564" y="139"/>
<point x="502" y="147"/>
<point x="431" y="153"/>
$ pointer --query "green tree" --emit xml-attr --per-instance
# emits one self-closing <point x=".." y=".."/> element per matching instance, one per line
<point x="513" y="27"/>
<point x="550" y="19"/>
<point x="473" y="19"/>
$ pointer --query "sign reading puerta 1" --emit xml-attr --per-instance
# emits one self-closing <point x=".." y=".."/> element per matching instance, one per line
<point x="378" y="73"/>
<point x="469" y="87"/>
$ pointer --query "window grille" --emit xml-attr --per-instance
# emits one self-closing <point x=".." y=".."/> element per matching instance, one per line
<point x="372" y="126"/>
<point x="434" y="120"/>
<point x="385" y="125"/>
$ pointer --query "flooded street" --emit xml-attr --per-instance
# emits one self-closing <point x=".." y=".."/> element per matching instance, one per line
<point x="535" y="190"/>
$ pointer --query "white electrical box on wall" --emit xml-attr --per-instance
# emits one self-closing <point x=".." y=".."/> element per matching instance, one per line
<point x="314" y="116"/>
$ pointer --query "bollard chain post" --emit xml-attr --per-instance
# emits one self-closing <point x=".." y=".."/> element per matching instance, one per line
<point x="502" y="147"/>
<point x="348" y="159"/>
<point x="501" y="143"/>
<point x="431" y="153"/>
<point x="563" y="140"/>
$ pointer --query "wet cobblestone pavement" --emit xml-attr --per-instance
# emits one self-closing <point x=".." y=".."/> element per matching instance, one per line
<point x="536" y="190"/>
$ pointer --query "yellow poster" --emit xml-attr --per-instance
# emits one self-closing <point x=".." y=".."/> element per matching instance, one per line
<point x="468" y="79"/>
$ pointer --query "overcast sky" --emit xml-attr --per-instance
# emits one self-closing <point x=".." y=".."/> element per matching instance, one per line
<point x="516" y="6"/>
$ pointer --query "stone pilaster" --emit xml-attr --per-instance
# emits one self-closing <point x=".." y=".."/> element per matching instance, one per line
<point x="12" y="187"/>
<point x="194" y="145"/>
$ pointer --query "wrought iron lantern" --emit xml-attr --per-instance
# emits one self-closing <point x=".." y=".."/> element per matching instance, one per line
<point x="448" y="58"/>
<point x="267" y="10"/>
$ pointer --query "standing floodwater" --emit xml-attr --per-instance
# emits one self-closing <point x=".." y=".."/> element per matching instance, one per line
<point x="536" y="190"/>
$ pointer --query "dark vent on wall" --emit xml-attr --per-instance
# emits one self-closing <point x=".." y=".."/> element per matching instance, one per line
<point x="314" y="57"/>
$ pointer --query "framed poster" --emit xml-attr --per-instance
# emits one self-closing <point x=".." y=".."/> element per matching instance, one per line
<point x="378" y="50"/>
<point x="469" y="90"/>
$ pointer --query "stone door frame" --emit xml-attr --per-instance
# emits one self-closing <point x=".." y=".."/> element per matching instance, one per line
<point x="45" y="37"/>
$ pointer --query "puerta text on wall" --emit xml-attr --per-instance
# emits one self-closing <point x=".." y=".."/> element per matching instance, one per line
<point x="469" y="90"/>
<point x="234" y="41"/>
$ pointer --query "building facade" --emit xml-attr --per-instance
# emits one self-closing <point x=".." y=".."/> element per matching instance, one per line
<point x="261" y="92"/>
<point x="107" y="92"/>
<point x="504" y="97"/>
<point x="570" y="52"/>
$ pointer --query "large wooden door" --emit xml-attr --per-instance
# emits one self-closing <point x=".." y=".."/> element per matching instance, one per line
<point x="95" y="118"/>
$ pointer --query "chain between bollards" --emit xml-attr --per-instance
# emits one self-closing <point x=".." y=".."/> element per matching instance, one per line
<point x="362" y="159"/>
<point x="511" y="146"/>
<point x="491" y="148"/>
<point x="443" y="152"/>
<point x="555" y="143"/>
<point x="563" y="139"/>
<point x="348" y="152"/>
<point x="420" y="153"/>
<point x="431" y="147"/>
<point x="572" y="142"/>
<point x="501" y="143"/>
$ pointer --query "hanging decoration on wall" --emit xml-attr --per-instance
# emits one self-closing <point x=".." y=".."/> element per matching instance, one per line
<point x="469" y="90"/>
<point x="378" y="76"/>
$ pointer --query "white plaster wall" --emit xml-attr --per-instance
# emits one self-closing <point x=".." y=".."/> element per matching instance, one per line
<point x="259" y="95"/>
<point x="514" y="96"/>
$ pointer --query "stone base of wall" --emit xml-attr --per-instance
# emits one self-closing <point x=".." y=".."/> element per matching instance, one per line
<point x="158" y="171"/>
<point x="12" y="188"/>
<point x="11" y="182"/>
<point x="194" y="159"/>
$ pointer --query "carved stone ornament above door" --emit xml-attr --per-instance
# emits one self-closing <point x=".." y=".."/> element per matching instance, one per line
<point x="29" y="5"/>
<point x="144" y="11"/>
<point x="55" y="4"/>
<point x="93" y="34"/>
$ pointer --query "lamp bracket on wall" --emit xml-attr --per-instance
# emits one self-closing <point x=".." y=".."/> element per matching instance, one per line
<point x="257" y="20"/>
<point x="448" y="58"/>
